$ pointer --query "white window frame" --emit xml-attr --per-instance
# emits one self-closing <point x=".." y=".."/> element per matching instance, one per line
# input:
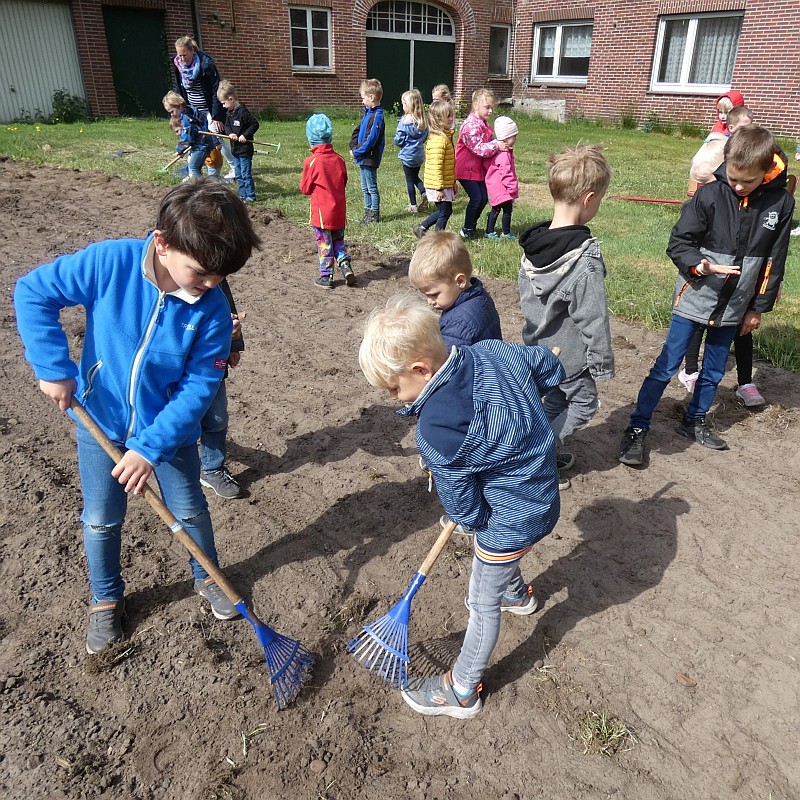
<point x="311" y="67"/>
<point x="444" y="19"/>
<point x="507" y="29"/>
<point x="683" y="86"/>
<point x="571" y="80"/>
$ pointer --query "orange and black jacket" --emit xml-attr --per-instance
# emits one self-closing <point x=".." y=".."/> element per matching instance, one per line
<point x="750" y="232"/>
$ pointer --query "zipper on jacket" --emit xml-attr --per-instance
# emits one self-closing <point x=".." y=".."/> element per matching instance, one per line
<point x="137" y="361"/>
<point x="90" y="379"/>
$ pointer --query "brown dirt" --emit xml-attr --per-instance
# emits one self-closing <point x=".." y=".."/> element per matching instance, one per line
<point x="669" y="595"/>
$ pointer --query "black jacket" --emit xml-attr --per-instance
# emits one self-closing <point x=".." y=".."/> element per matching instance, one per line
<point x="209" y="83"/>
<point x="751" y="232"/>
<point x="241" y="122"/>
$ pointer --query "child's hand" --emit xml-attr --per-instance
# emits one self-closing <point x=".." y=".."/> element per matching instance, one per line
<point x="439" y="196"/>
<point x="60" y="392"/>
<point x="237" y="327"/>
<point x="234" y="358"/>
<point x="502" y="146"/>
<point x="218" y="126"/>
<point x="233" y="137"/>
<point x="750" y="322"/>
<point x="242" y="139"/>
<point x="132" y="471"/>
<point x="705" y="267"/>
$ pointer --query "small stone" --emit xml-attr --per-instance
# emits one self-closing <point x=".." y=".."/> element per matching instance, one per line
<point x="538" y="664"/>
<point x="317" y="766"/>
<point x="684" y="680"/>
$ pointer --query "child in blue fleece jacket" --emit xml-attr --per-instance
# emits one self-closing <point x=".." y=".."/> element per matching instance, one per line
<point x="158" y="335"/>
<point x="483" y="431"/>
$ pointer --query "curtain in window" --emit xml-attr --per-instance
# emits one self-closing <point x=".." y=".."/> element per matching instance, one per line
<point x="715" y="50"/>
<point x="547" y="50"/>
<point x="576" y="41"/>
<point x="675" y="31"/>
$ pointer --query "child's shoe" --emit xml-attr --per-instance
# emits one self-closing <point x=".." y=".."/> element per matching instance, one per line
<point x="222" y="483"/>
<point x="688" y="379"/>
<point x="349" y="275"/>
<point x="563" y="483"/>
<point x="412" y="208"/>
<point x="374" y="215"/>
<point x="520" y="606"/>
<point x="795" y="231"/>
<point x="698" y="431"/>
<point x="564" y="460"/>
<point x="324" y="281"/>
<point x="460" y="529"/>
<point x="419" y="231"/>
<point x="221" y="607"/>
<point x="509" y="235"/>
<point x="435" y="697"/>
<point x="468" y="236"/>
<point x="105" y="624"/>
<point x="367" y="218"/>
<point x="748" y="393"/>
<point x="423" y="203"/>
<point x="631" y="451"/>
<point x="491" y="235"/>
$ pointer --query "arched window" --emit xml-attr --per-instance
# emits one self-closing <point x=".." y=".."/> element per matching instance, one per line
<point x="410" y="19"/>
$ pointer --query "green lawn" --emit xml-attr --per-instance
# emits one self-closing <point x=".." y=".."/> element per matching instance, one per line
<point x="634" y="234"/>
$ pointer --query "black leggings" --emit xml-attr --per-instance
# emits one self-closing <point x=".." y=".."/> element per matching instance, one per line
<point x="506" y="223"/>
<point x="742" y="348"/>
<point x="444" y="210"/>
<point x="412" y="183"/>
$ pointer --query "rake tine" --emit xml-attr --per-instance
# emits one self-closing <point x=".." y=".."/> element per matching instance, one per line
<point x="288" y="662"/>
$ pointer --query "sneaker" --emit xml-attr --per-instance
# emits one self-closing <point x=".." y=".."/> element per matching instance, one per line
<point x="509" y="235"/>
<point x="221" y="607"/>
<point x="460" y="529"/>
<point x="412" y="208"/>
<point x="563" y="483"/>
<point x="491" y="235"/>
<point x="632" y="446"/>
<point x="324" y="281"/>
<point x="749" y="395"/>
<point x="688" y="379"/>
<point x="230" y="174"/>
<point x="698" y="430"/>
<point x="564" y="460"/>
<point x="795" y="231"/>
<point x="349" y="275"/>
<point x="423" y="203"/>
<point x="520" y="606"/>
<point x="419" y="231"/>
<point x="221" y="482"/>
<point x="467" y="235"/>
<point x="436" y="697"/>
<point x="105" y="624"/>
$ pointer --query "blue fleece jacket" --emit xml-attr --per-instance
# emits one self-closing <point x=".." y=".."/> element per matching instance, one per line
<point x="151" y="362"/>
<point x="411" y="141"/>
<point x="485" y="436"/>
<point x="472" y="318"/>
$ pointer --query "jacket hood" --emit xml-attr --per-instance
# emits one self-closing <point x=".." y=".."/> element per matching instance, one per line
<point x="550" y="254"/>
<point x="737" y="98"/>
<point x="775" y="178"/>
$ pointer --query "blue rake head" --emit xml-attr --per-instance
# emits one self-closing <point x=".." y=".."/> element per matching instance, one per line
<point x="288" y="662"/>
<point x="382" y="647"/>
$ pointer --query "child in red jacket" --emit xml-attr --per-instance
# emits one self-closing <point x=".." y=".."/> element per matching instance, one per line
<point x="324" y="178"/>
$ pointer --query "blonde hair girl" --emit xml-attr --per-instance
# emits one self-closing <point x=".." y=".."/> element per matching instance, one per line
<point x="412" y="131"/>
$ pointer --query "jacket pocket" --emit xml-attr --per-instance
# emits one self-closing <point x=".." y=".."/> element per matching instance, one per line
<point x="90" y="376"/>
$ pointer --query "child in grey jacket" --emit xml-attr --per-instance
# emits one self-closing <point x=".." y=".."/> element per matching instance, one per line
<point x="563" y="294"/>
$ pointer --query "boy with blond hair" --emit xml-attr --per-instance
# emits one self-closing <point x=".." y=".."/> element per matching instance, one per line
<point x="563" y="294"/>
<point x="240" y="127"/>
<point x="442" y="270"/>
<point x="484" y="433"/>
<point x="366" y="147"/>
<point x="729" y="246"/>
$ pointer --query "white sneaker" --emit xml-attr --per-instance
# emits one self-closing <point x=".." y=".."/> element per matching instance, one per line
<point x="795" y="231"/>
<point x="230" y="174"/>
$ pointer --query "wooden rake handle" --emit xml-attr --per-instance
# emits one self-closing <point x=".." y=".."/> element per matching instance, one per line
<point x="160" y="508"/>
<point x="437" y="548"/>
<point x="249" y="141"/>
<point x="174" y="161"/>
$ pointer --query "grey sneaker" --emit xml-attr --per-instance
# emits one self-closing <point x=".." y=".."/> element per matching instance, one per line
<point x="631" y="451"/>
<point x="221" y="607"/>
<point x="221" y="482"/>
<point x="105" y="624"/>
<point x="324" y="281"/>
<point x="520" y="606"/>
<point x="461" y="529"/>
<point x="564" y="460"/>
<point x="419" y="231"/>
<point x="347" y="272"/>
<point x="698" y="430"/>
<point x="435" y="697"/>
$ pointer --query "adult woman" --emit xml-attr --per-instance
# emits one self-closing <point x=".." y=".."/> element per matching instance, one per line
<point x="197" y="80"/>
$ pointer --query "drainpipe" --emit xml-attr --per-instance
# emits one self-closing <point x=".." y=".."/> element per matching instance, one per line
<point x="198" y="31"/>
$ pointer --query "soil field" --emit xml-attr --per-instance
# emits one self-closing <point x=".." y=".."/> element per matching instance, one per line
<point x="669" y="596"/>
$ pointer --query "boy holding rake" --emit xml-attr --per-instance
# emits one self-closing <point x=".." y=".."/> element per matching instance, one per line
<point x="483" y="433"/>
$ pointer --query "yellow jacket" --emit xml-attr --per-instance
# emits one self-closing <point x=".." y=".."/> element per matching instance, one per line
<point x="440" y="162"/>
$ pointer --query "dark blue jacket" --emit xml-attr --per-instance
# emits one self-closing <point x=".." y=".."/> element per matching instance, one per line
<point x="369" y="138"/>
<point x="472" y="318"/>
<point x="209" y="83"/>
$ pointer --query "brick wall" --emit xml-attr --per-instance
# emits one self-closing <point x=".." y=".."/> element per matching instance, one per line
<point x="767" y="69"/>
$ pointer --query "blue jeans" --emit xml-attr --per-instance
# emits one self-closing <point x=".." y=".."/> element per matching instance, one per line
<point x="444" y="211"/>
<point x="369" y="186"/>
<point x="197" y="158"/>
<point x="478" y="198"/>
<point x="243" y="165"/>
<point x="413" y="183"/>
<point x="487" y="585"/>
<point x="681" y="330"/>
<point x="214" y="432"/>
<point x="105" y="503"/>
<point x="571" y="405"/>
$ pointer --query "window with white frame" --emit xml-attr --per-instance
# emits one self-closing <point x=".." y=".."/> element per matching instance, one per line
<point x="399" y="16"/>
<point x="499" y="38"/>
<point x="696" y="53"/>
<point x="310" y="30"/>
<point x="561" y="52"/>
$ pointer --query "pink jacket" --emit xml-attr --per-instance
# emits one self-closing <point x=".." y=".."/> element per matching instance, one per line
<point x="476" y="142"/>
<point x="501" y="178"/>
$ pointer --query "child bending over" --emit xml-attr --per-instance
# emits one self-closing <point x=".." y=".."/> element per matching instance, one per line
<point x="484" y="433"/>
<point x="189" y="123"/>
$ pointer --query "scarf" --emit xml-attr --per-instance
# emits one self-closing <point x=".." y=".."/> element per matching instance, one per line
<point x="188" y="74"/>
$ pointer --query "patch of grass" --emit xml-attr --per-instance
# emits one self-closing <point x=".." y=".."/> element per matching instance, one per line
<point x="634" y="235"/>
<point x="604" y="734"/>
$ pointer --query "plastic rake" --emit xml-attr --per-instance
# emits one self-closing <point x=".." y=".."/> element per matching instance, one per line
<point x="382" y="647"/>
<point x="288" y="662"/>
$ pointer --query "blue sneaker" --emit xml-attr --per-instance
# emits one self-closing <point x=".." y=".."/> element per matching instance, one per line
<point x="492" y="235"/>
<point x="436" y="697"/>
<point x="511" y="236"/>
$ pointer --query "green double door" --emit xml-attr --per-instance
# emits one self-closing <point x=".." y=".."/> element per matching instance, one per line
<point x="137" y="48"/>
<point x="403" y="64"/>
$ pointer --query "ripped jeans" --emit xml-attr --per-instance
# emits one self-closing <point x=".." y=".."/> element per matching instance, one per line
<point x="105" y="503"/>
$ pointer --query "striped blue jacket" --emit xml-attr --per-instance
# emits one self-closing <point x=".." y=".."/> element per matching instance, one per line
<point x="485" y="436"/>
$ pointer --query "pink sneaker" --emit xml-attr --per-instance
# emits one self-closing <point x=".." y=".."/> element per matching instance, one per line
<point x="688" y="379"/>
<point x="748" y="393"/>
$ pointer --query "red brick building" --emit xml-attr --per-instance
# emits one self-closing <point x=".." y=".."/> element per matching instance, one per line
<point x="597" y="58"/>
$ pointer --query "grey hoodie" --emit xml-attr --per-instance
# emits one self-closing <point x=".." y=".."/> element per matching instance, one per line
<point x="564" y="299"/>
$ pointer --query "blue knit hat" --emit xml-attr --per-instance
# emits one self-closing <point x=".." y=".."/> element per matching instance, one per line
<point x="319" y="129"/>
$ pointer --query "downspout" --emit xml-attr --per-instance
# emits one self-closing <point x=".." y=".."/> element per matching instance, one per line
<point x="233" y="15"/>
<point x="198" y="32"/>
